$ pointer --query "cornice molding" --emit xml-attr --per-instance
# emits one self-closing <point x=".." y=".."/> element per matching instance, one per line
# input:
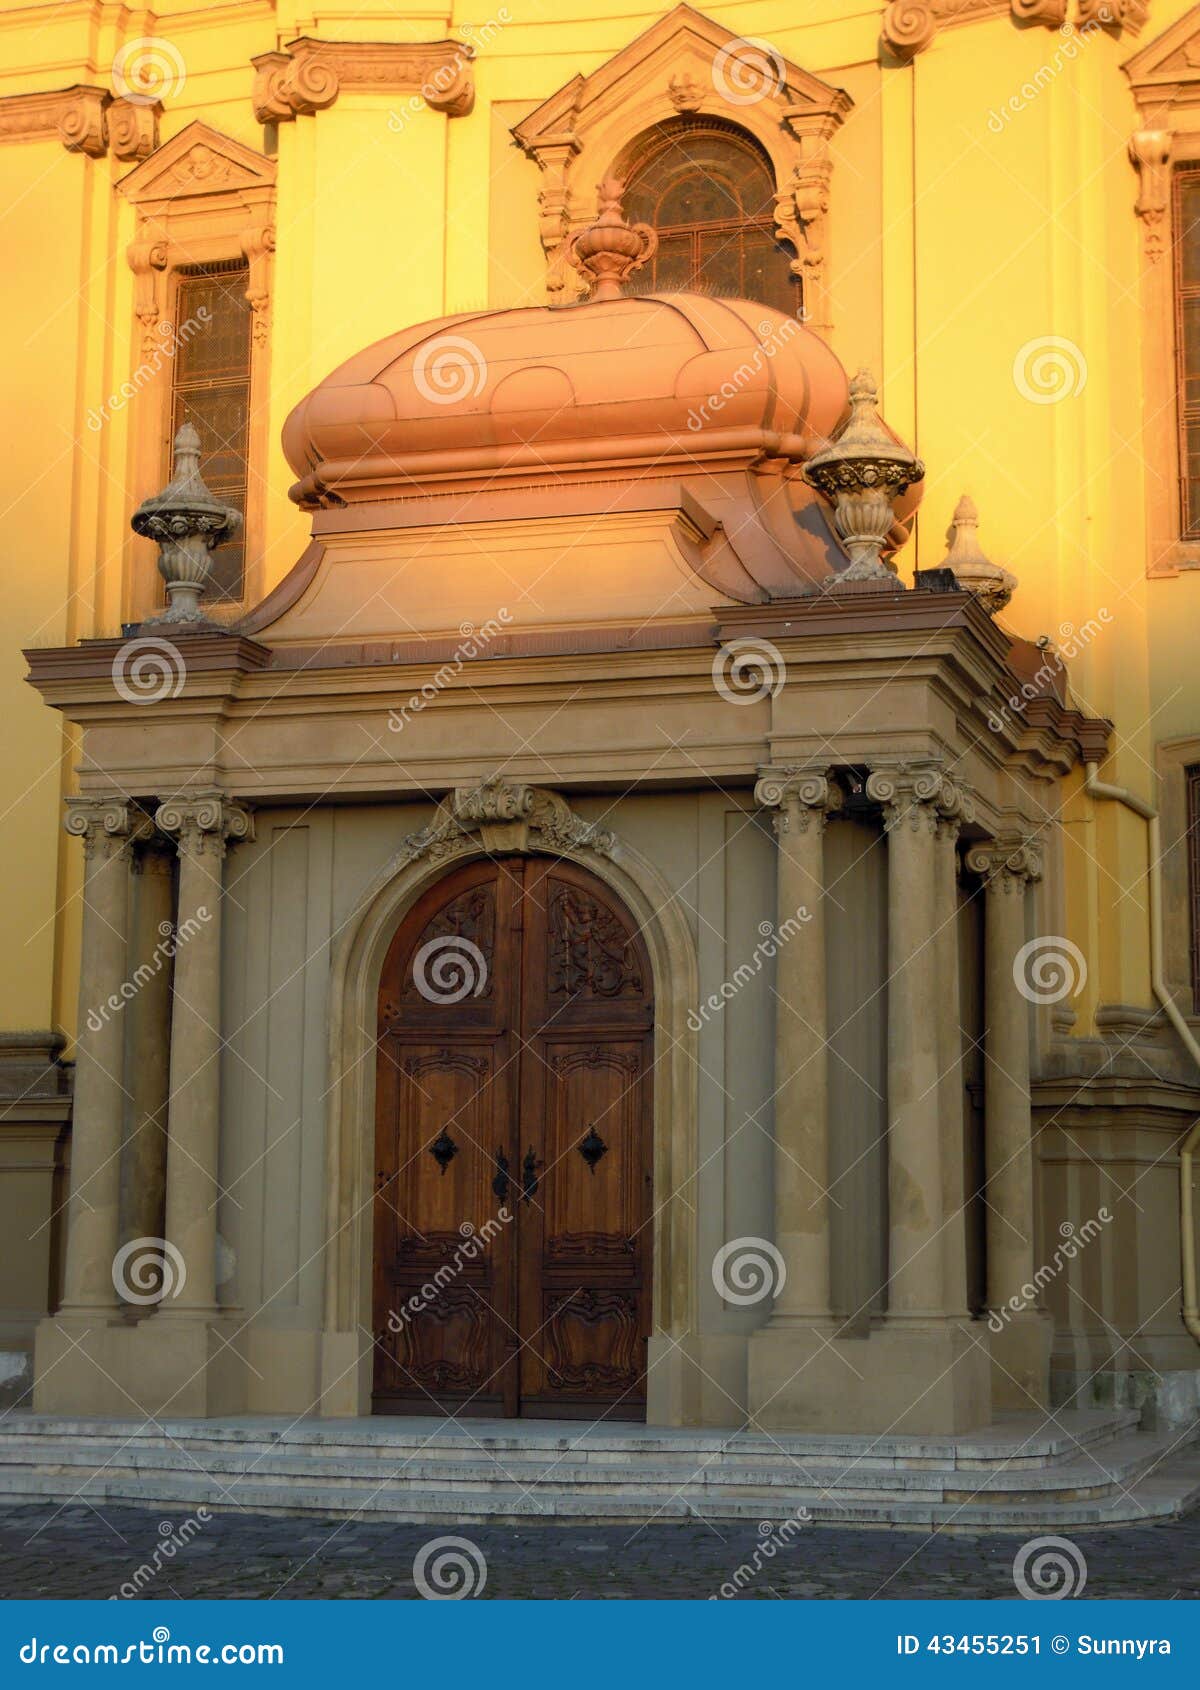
<point x="307" y="75"/>
<point x="85" y="119"/>
<point x="909" y="26"/>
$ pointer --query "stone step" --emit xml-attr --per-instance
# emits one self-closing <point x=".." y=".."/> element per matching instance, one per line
<point x="1119" y="1463"/>
<point x="1167" y="1494"/>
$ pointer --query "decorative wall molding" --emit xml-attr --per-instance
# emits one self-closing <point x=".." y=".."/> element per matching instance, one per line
<point x="1164" y="78"/>
<point x="910" y="25"/>
<point x="201" y="198"/>
<point x="307" y="75"/>
<point x="685" y="65"/>
<point x="85" y="119"/>
<point x="506" y="816"/>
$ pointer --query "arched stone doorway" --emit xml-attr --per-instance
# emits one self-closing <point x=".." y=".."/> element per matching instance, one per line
<point x="513" y="1203"/>
<point x="502" y="819"/>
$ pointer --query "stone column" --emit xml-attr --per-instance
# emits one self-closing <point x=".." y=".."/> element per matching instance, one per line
<point x="202" y="824"/>
<point x="910" y="810"/>
<point x="802" y="800"/>
<point x="144" y="1166"/>
<point x="98" y="1113"/>
<point x="957" y="808"/>
<point x="1020" y="1331"/>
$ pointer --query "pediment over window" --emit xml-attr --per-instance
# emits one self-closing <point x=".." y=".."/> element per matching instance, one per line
<point x="199" y="161"/>
<point x="686" y="65"/>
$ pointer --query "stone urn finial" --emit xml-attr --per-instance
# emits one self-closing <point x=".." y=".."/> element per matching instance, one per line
<point x="973" y="570"/>
<point x="187" y="522"/>
<point x="609" y="250"/>
<point x="862" y="473"/>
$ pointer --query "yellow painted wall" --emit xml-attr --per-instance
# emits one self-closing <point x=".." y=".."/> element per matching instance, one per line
<point x="963" y="233"/>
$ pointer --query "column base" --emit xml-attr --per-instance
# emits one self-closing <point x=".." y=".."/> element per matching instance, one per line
<point x="174" y="1367"/>
<point x="1020" y="1352"/>
<point x="905" y="1378"/>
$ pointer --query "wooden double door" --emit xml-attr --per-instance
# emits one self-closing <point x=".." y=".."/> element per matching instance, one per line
<point x="513" y="1200"/>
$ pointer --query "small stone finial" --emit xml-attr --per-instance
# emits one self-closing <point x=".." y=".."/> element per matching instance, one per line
<point x="973" y="570"/>
<point x="187" y="522"/>
<point x="609" y="250"/>
<point x="862" y="473"/>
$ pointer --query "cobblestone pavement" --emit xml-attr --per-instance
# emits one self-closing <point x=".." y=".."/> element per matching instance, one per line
<point x="79" y="1552"/>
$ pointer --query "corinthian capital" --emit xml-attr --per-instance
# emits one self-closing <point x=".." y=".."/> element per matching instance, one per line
<point x="1006" y="865"/>
<point x="803" y="797"/>
<point x="204" y="821"/>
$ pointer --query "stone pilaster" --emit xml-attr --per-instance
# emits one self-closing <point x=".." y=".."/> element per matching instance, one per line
<point x="1020" y="1335"/>
<point x="144" y="1165"/>
<point x="957" y="809"/>
<point x="202" y="825"/>
<point x="802" y="801"/>
<point x="107" y="830"/>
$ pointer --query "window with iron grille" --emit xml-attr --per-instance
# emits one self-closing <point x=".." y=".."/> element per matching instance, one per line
<point x="1193" y="844"/>
<point x="1187" y="343"/>
<point x="211" y="390"/>
<point x="709" y="192"/>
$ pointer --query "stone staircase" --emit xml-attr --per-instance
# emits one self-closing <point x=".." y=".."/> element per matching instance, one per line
<point x="1078" y="1470"/>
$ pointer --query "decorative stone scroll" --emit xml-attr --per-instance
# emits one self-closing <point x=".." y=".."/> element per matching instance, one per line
<point x="503" y="815"/>
<point x="307" y="75"/>
<point x="1006" y="865"/>
<point x="802" y="798"/>
<point x="910" y="25"/>
<point x="204" y="822"/>
<point x="919" y="796"/>
<point x="107" y="826"/>
<point x="85" y="119"/>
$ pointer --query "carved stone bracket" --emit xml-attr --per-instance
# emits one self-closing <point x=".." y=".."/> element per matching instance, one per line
<point x="1150" y="150"/>
<point x="1007" y="865"/>
<point x="307" y="75"/>
<point x="85" y="119"/>
<point x="801" y="797"/>
<point x="503" y="815"/>
<point x="204" y="822"/>
<point x="910" y="25"/>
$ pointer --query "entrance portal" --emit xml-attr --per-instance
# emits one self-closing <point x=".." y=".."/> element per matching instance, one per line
<point x="513" y="1149"/>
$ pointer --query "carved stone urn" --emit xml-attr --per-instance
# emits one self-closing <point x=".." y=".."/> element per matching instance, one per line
<point x="609" y="250"/>
<point x="862" y="473"/>
<point x="187" y="522"/>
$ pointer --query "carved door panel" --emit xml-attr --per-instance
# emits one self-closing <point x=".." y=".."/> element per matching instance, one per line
<point x="513" y="1205"/>
<point x="445" y="1292"/>
<point x="584" y="1284"/>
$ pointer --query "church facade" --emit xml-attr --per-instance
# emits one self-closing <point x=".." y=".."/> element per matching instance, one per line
<point x="608" y="605"/>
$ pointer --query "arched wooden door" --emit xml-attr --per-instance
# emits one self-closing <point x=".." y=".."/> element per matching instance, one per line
<point x="513" y="1149"/>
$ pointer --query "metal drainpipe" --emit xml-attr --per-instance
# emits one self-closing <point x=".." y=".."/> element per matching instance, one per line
<point x="1096" y="788"/>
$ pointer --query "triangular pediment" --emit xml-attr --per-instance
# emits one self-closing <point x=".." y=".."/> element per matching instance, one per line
<point x="1171" y="58"/>
<point x="199" y="160"/>
<point x="686" y="51"/>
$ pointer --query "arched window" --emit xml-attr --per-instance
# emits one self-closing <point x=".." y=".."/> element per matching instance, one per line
<point x="709" y="191"/>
